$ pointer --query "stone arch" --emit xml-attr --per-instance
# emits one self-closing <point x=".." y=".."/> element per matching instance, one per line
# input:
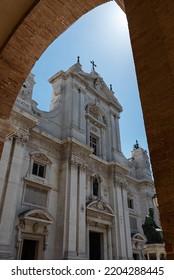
<point x="151" y="31"/>
<point x="43" y="157"/>
<point x="139" y="237"/>
<point x="36" y="31"/>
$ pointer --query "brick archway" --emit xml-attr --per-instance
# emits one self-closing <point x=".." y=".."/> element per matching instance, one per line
<point x="42" y="25"/>
<point x="151" y="27"/>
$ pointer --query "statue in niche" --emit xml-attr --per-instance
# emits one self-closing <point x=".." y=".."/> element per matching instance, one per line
<point x="153" y="233"/>
<point x="98" y="84"/>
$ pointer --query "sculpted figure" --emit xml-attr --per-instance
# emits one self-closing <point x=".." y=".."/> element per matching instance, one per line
<point x="151" y="230"/>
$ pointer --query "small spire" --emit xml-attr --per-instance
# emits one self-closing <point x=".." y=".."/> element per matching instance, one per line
<point x="111" y="87"/>
<point x="78" y="59"/>
<point x="93" y="65"/>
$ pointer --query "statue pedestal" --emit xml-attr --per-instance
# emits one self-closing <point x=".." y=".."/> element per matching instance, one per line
<point x="154" y="252"/>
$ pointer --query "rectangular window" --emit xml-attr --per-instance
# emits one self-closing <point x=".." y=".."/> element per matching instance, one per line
<point x="94" y="144"/>
<point x="38" y="169"/>
<point x="133" y="224"/>
<point x="35" y="195"/>
<point x="130" y="203"/>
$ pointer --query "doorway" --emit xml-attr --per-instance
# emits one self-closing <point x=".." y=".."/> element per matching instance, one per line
<point x="29" y="249"/>
<point x="95" y="245"/>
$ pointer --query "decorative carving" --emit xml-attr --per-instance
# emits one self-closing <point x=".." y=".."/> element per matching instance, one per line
<point x="130" y="194"/>
<point x="98" y="84"/>
<point x="22" y="137"/>
<point x="41" y="157"/>
<point x="45" y="232"/>
<point x="97" y="176"/>
<point x="97" y="102"/>
<point x="75" y="161"/>
<point x="19" y="229"/>
<point x="78" y="86"/>
<point x="58" y="90"/>
<point x="35" y="227"/>
<point x="93" y="128"/>
<point x="121" y="182"/>
<point x="82" y="208"/>
<point x="101" y="207"/>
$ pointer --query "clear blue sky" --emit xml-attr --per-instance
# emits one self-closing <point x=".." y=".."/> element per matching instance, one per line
<point x="100" y="35"/>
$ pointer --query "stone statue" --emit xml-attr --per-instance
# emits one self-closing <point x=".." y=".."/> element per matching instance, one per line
<point x="136" y="146"/>
<point x="151" y="230"/>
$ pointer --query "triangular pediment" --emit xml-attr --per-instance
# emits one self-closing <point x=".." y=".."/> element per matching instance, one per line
<point x="97" y="83"/>
<point x="41" y="157"/>
<point x="37" y="215"/>
<point x="100" y="206"/>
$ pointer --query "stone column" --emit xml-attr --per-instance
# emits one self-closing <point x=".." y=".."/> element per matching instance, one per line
<point x="6" y="130"/>
<point x="75" y="106"/>
<point x="87" y="132"/>
<point x="109" y="242"/>
<point x="81" y="110"/>
<point x="103" y="143"/>
<point x="113" y="132"/>
<point x="121" y="222"/>
<point x="117" y="129"/>
<point x="127" y="222"/>
<point x="71" y="220"/>
<point x="12" y="187"/>
<point x="81" y="222"/>
<point x="87" y="238"/>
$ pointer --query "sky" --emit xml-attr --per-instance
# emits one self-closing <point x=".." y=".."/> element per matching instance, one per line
<point x="101" y="35"/>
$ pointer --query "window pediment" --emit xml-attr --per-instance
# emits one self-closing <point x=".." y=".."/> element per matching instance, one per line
<point x="40" y="157"/>
<point x="95" y="114"/>
<point x="99" y="205"/>
<point x="37" y="215"/>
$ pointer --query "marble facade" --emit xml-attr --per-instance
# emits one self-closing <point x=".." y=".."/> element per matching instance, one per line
<point x="65" y="184"/>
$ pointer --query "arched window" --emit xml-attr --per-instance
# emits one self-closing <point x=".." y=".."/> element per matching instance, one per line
<point x="95" y="187"/>
<point x="130" y="203"/>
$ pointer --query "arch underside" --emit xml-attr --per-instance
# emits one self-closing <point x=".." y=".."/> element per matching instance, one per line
<point x="28" y="29"/>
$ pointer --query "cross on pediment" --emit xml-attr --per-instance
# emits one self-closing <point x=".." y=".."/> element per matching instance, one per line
<point x="93" y="65"/>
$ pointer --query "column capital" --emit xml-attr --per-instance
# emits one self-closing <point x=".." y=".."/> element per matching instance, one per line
<point x="7" y="129"/>
<point x="121" y="182"/>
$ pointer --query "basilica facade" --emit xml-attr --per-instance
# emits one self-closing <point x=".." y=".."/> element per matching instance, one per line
<point x="66" y="189"/>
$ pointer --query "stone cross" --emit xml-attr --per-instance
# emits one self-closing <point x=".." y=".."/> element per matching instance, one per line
<point x="93" y="65"/>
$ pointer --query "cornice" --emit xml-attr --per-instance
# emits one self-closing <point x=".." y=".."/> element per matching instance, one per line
<point x="119" y="167"/>
<point x="140" y="181"/>
<point x="37" y="131"/>
<point x="42" y="184"/>
<point x="7" y="129"/>
<point x="19" y="117"/>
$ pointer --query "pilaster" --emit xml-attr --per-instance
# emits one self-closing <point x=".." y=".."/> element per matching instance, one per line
<point x="12" y="186"/>
<point x="71" y="220"/>
<point x="119" y="183"/>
